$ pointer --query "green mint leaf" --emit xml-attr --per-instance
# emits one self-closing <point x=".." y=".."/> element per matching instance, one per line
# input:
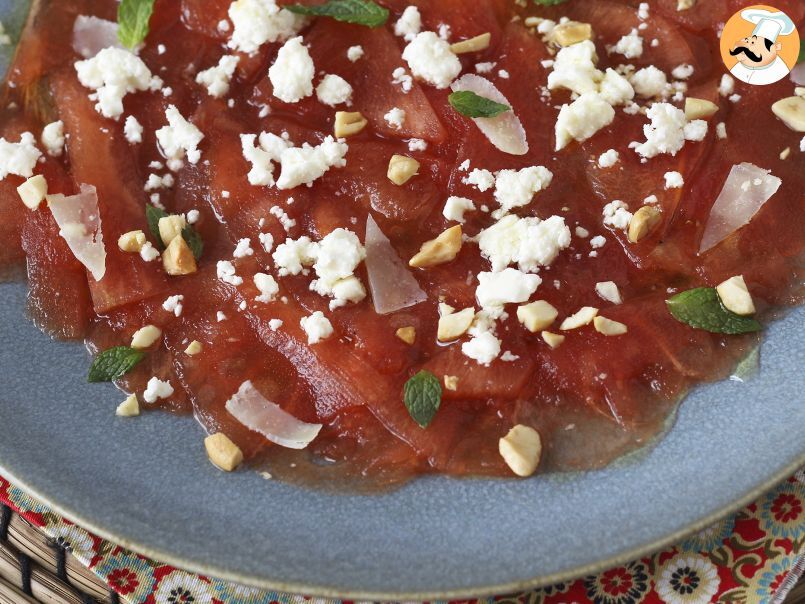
<point x="470" y="104"/>
<point x="113" y="363"/>
<point x="152" y="215"/>
<point x="132" y="21"/>
<point x="422" y="395"/>
<point x="701" y="308"/>
<point x="193" y="241"/>
<point x="549" y="2"/>
<point x="361" y="12"/>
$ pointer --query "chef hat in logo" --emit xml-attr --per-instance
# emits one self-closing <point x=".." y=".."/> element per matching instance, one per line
<point x="768" y="25"/>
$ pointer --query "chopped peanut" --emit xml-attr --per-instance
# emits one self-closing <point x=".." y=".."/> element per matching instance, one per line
<point x="453" y="325"/>
<point x="133" y="241"/>
<point x="685" y="4"/>
<point x="521" y="449"/>
<point x="791" y="110"/>
<point x="193" y="348"/>
<point x="475" y="44"/>
<point x="33" y="191"/>
<point x="440" y="250"/>
<point x="178" y="259"/>
<point x="785" y="153"/>
<point x="402" y="169"/>
<point x="696" y="109"/>
<point x="128" y="408"/>
<point x="170" y="227"/>
<point x="407" y="334"/>
<point x="222" y="452"/>
<point x="584" y="316"/>
<point x="145" y="337"/>
<point x="451" y="382"/>
<point x="537" y="315"/>
<point x="571" y="32"/>
<point x="554" y="340"/>
<point x="348" y="123"/>
<point x="735" y="296"/>
<point x="608" y="327"/>
<point x="643" y="222"/>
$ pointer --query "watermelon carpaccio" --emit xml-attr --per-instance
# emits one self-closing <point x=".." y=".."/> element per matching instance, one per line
<point x="592" y="398"/>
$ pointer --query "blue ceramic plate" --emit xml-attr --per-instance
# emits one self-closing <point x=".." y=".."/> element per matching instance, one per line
<point x="147" y="484"/>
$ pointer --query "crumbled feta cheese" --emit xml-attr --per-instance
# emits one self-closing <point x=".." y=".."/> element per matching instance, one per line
<point x="444" y="31"/>
<point x="148" y="252"/>
<point x="649" y="82"/>
<point x="695" y="130"/>
<point x="19" y="158"/>
<point x="484" y="67"/>
<point x="674" y="180"/>
<point x="483" y="348"/>
<point x="217" y="78"/>
<point x="665" y="133"/>
<point x="574" y="69"/>
<point x="430" y="58"/>
<point x="133" y="130"/>
<point x="270" y="150"/>
<point x="514" y="189"/>
<point x="267" y="286"/>
<point x="682" y="72"/>
<point x="337" y="257"/>
<point x="582" y="118"/>
<point x="220" y="316"/>
<point x="275" y="324"/>
<point x="483" y="180"/>
<point x="630" y="45"/>
<point x="727" y="85"/>
<point x="226" y="273"/>
<point x="455" y="207"/>
<point x="113" y="73"/>
<point x="582" y="232"/>
<point x="53" y="138"/>
<point x="417" y="144"/>
<point x="597" y="242"/>
<point x="302" y="165"/>
<point x="507" y="286"/>
<point x="292" y="73"/>
<point x="286" y="221"/>
<point x="617" y="215"/>
<point x="395" y="117"/>
<point x="503" y="74"/>
<point x="193" y="216"/>
<point x="401" y="77"/>
<point x="409" y="24"/>
<point x="293" y="255"/>
<point x="179" y="139"/>
<point x="615" y="89"/>
<point x="528" y="242"/>
<point x="608" y="290"/>
<point x="267" y="241"/>
<point x="642" y="11"/>
<point x="174" y="304"/>
<point x="155" y="182"/>
<point x="317" y="327"/>
<point x="334" y="90"/>
<point x="223" y="26"/>
<point x="259" y="21"/>
<point x="354" y="53"/>
<point x="157" y="389"/>
<point x="608" y="158"/>
<point x="243" y="248"/>
<point x="721" y="130"/>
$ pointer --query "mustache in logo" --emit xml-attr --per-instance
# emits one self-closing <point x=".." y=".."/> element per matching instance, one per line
<point x="743" y="49"/>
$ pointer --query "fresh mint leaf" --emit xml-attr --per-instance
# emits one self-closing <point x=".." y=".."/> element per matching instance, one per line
<point x="422" y="395"/>
<point x="472" y="105"/>
<point x="152" y="215"/>
<point x="361" y="12"/>
<point x="701" y="308"/>
<point x="549" y="2"/>
<point x="114" y="363"/>
<point x="132" y="21"/>
<point x="193" y="241"/>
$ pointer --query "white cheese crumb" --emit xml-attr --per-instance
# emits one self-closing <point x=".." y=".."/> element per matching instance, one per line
<point x="148" y="252"/>
<point x="695" y="130"/>
<point x="514" y="189"/>
<point x="727" y="85"/>
<point x="334" y="90"/>
<point x="317" y="327"/>
<point x="257" y="22"/>
<point x="430" y="58"/>
<point x="417" y="144"/>
<point x="157" y="389"/>
<point x="665" y="133"/>
<point x="484" y="67"/>
<point x="286" y="221"/>
<point x="582" y="118"/>
<point x="483" y="180"/>
<point x="401" y="77"/>
<point x="395" y="117"/>
<point x="483" y="348"/>
<point x="270" y="150"/>
<point x="275" y="324"/>
<point x="223" y="26"/>
<point x="630" y="45"/>
<point x="721" y="130"/>
<point x="267" y="286"/>
<point x="133" y="130"/>
<point x="674" y="180"/>
<point x="582" y="232"/>
<point x="217" y="79"/>
<point x="608" y="290"/>
<point x="337" y="257"/>
<point x="409" y="24"/>
<point x="503" y="74"/>
<point x="243" y="248"/>
<point x="193" y="216"/>
<point x="649" y="82"/>
<point x="226" y="273"/>
<point x="455" y="207"/>
<point x="608" y="158"/>
<point x="528" y="242"/>
<point x="597" y="242"/>
<point x="19" y="158"/>
<point x="354" y="53"/>
<point x="682" y="72"/>
<point x="642" y="11"/>
<point x="617" y="215"/>
<point x="293" y="255"/>
<point x="174" y="304"/>
<point x="509" y="286"/>
<point x="53" y="138"/>
<point x="302" y="165"/>
<point x="292" y="73"/>
<point x="179" y="139"/>
<point x="220" y="316"/>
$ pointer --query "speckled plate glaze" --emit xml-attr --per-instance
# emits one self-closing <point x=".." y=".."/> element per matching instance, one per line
<point x="147" y="484"/>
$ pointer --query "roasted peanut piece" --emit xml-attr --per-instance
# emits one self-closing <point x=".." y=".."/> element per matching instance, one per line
<point x="128" y="408"/>
<point x="571" y="32"/>
<point x="178" y="259"/>
<point x="145" y="336"/>
<point x="536" y="316"/>
<point x="643" y="222"/>
<point x="697" y="109"/>
<point x="584" y="316"/>
<point x="521" y="449"/>
<point x="791" y="110"/>
<point x="454" y="325"/>
<point x="402" y="169"/>
<point x="685" y="5"/>
<point x="554" y="340"/>
<point x="222" y="452"/>
<point x="475" y="44"/>
<point x="33" y="191"/>
<point x="451" y="382"/>
<point x="440" y="250"/>
<point x="133" y="241"/>
<point x="170" y="227"/>
<point x="735" y="296"/>
<point x="193" y="348"/>
<point x="348" y="123"/>
<point x="407" y="334"/>
<point x="608" y="327"/>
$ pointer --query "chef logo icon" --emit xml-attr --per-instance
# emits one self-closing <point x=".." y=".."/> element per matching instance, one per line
<point x="760" y="45"/>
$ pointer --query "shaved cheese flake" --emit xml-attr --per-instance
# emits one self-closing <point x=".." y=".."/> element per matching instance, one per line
<point x="392" y="284"/>
<point x="80" y="225"/>
<point x="505" y="131"/>
<point x="738" y="202"/>
<point x="91" y="35"/>
<point x="252" y="410"/>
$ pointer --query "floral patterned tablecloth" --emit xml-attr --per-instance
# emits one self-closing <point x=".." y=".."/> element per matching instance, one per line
<point x="754" y="556"/>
